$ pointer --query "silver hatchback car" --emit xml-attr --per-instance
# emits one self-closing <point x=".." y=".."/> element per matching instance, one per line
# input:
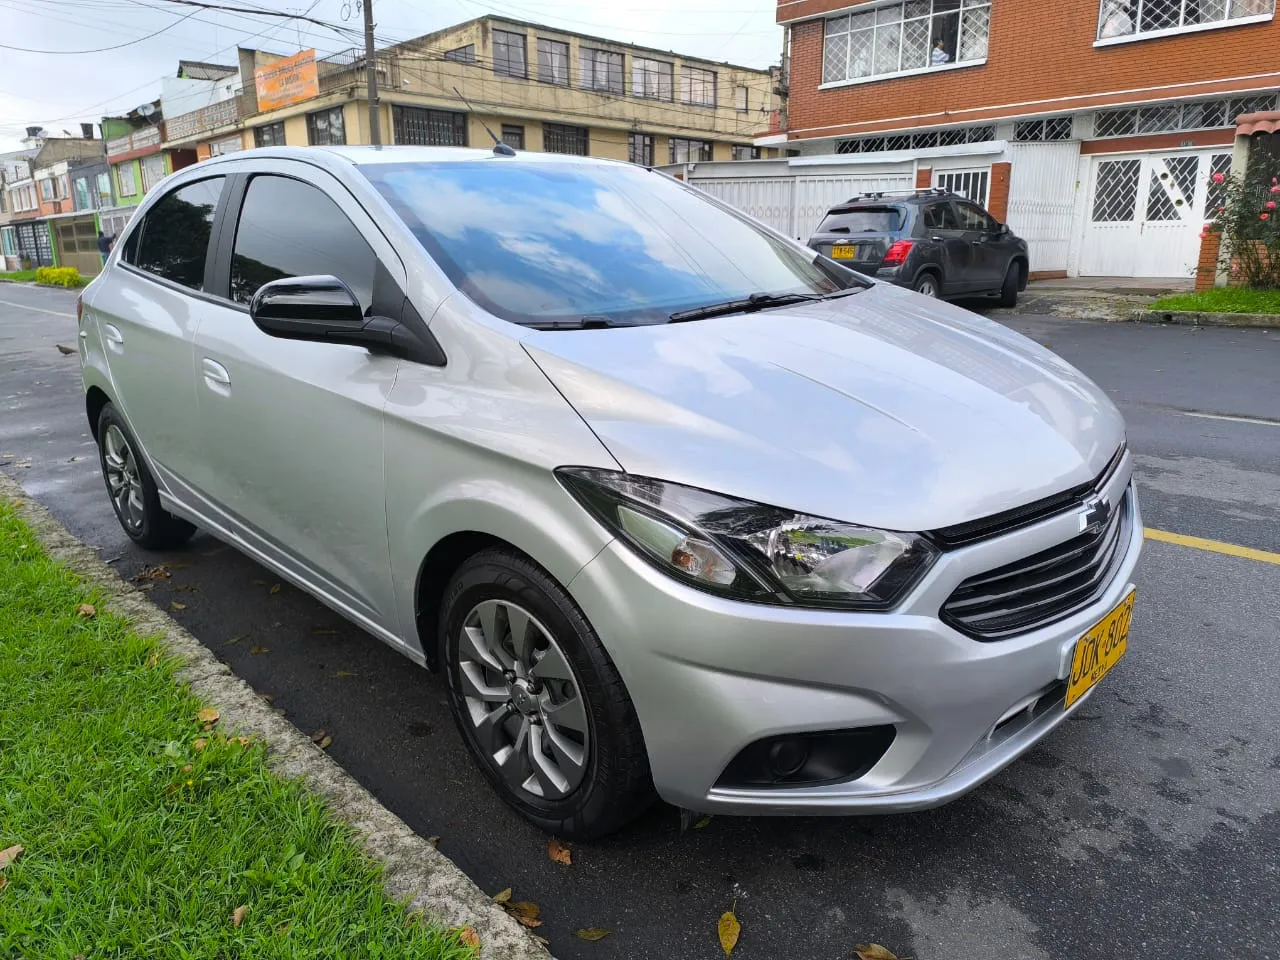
<point x="676" y="505"/>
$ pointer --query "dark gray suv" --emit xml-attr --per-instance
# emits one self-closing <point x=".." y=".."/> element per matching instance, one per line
<point x="934" y="242"/>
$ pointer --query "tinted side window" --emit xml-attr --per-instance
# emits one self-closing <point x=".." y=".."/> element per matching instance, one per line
<point x="291" y="229"/>
<point x="174" y="237"/>
<point x="975" y="218"/>
<point x="940" y="216"/>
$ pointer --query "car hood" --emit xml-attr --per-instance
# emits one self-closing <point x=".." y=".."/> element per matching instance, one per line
<point x="881" y="408"/>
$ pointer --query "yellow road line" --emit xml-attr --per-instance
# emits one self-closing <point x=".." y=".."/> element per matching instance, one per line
<point x="1213" y="546"/>
<point x="27" y="306"/>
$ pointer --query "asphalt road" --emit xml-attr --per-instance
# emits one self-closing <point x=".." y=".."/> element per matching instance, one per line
<point x="1149" y="827"/>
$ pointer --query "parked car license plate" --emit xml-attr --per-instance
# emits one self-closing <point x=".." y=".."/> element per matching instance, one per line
<point x="1100" y="649"/>
<point x="844" y="251"/>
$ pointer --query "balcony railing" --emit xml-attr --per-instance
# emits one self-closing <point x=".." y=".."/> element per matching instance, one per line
<point x="221" y="114"/>
<point x="345" y="68"/>
<point x="139" y="139"/>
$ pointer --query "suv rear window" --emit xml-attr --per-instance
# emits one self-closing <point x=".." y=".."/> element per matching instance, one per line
<point x="863" y="220"/>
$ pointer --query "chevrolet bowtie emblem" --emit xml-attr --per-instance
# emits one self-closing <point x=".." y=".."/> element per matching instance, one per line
<point x="1096" y="513"/>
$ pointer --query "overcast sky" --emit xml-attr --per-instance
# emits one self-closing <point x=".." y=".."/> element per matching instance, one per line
<point x="57" y="91"/>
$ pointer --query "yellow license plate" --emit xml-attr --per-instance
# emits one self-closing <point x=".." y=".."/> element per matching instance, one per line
<point x="1099" y="650"/>
<point x="844" y="251"/>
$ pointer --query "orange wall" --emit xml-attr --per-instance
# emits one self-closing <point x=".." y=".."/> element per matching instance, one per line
<point x="1038" y="51"/>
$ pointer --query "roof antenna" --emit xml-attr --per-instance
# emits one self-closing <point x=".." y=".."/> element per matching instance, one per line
<point x="500" y="149"/>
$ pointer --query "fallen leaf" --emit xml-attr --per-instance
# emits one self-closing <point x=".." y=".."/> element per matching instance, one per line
<point x="259" y="583"/>
<point x="592" y="933"/>
<point x="523" y="911"/>
<point x="284" y="928"/>
<point x="275" y="588"/>
<point x="468" y="937"/>
<point x="258" y="651"/>
<point x="434" y="841"/>
<point x="4" y="881"/>
<point x="237" y="915"/>
<point x="502" y="896"/>
<point x="208" y="715"/>
<point x="199" y="743"/>
<point x="542" y="940"/>
<point x="17" y="504"/>
<point x="186" y="768"/>
<point x="317" y="736"/>
<point x="10" y="854"/>
<point x="341" y="674"/>
<point x="324" y="744"/>
<point x="86" y="610"/>
<point x="243" y="741"/>
<point x="153" y="660"/>
<point x="153" y="573"/>
<point x="74" y="459"/>
<point x="702" y="823"/>
<point x="728" y="928"/>
<point x="324" y="632"/>
<point x="175" y="605"/>
<point x="873" y="951"/>
<point x="559" y="853"/>
<point x="268" y="697"/>
<point x="173" y="750"/>
<point x="234" y="640"/>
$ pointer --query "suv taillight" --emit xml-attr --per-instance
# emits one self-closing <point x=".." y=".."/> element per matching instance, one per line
<point x="897" y="253"/>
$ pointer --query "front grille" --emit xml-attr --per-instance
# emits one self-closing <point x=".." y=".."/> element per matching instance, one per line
<point x="1043" y="588"/>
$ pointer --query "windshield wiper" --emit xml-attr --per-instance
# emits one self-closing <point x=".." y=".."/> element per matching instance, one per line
<point x="756" y="302"/>
<point x="580" y="323"/>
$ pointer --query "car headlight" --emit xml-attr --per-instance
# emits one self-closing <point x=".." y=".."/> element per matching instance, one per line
<point x="750" y="551"/>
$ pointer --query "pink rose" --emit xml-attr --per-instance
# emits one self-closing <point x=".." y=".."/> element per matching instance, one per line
<point x="1222" y="209"/>
<point x="1218" y="178"/>
<point x="1275" y="189"/>
<point x="1265" y="216"/>
<point x="1271" y="204"/>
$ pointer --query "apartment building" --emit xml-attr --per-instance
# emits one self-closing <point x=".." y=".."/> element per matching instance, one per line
<point x="38" y="210"/>
<point x="1092" y="126"/>
<point x="535" y="87"/>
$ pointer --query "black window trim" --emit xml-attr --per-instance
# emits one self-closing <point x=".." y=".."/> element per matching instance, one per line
<point x="136" y="234"/>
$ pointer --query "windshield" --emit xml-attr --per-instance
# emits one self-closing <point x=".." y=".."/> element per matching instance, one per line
<point x="537" y="242"/>
<point x="863" y="220"/>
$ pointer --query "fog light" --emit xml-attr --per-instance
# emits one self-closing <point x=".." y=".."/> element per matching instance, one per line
<point x="786" y="757"/>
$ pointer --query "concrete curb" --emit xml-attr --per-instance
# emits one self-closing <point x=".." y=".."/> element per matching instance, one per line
<point x="413" y="869"/>
<point x="1209" y="319"/>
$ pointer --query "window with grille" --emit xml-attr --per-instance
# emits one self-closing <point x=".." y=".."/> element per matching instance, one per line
<point x="509" y="54"/>
<point x="429" y="128"/>
<point x="600" y="70"/>
<point x="689" y="151"/>
<point x="465" y="54"/>
<point x="698" y="86"/>
<point x="1131" y="18"/>
<point x="553" y="62"/>
<point x="742" y="152"/>
<point x="970" y="184"/>
<point x="513" y="135"/>
<point x="326" y="127"/>
<point x="918" y="141"/>
<point x="1172" y="117"/>
<point x="271" y="135"/>
<point x="894" y="38"/>
<point x="1037" y="131"/>
<point x="1115" y="192"/>
<point x="562" y="138"/>
<point x="640" y="149"/>
<point x="651" y="78"/>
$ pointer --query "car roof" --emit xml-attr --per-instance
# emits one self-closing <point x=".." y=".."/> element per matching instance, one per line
<point x="400" y="154"/>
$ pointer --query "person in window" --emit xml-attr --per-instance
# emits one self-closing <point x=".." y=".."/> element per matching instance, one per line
<point x="939" y="56"/>
<point x="104" y="245"/>
<point x="1117" y="21"/>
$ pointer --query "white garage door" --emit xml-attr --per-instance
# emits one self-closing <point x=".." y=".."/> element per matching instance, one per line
<point x="1145" y="212"/>
<point x="816" y="195"/>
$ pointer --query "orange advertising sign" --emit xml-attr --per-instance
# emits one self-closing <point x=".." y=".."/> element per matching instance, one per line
<point x="287" y="81"/>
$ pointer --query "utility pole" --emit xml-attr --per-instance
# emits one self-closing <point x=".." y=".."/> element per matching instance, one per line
<point x="371" y="75"/>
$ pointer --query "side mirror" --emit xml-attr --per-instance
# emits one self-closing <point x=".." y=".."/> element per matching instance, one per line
<point x="1002" y="229"/>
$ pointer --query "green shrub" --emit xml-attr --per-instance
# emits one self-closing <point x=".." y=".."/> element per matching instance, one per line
<point x="1247" y="215"/>
<point x="59" y="276"/>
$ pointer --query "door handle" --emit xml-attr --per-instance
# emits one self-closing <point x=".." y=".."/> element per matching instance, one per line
<point x="937" y="239"/>
<point x="115" y="339"/>
<point x="216" y="376"/>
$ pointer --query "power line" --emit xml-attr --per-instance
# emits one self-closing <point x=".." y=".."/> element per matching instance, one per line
<point x="118" y="46"/>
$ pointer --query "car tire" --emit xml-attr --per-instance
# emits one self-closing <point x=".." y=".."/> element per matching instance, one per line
<point x="549" y="721"/>
<point x="1009" y="291"/>
<point x="132" y="490"/>
<point x="927" y="285"/>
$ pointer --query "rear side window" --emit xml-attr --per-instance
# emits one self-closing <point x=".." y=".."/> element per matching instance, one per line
<point x="941" y="216"/>
<point x="975" y="218"/>
<point x="292" y="229"/>
<point x="173" y="240"/>
<point x="863" y="220"/>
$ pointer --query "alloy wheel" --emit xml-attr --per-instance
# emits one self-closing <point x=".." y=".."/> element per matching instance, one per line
<point x="523" y="700"/>
<point x="124" y="483"/>
<point x="927" y="286"/>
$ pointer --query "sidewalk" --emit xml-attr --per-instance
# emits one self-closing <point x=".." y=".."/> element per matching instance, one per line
<point x="1094" y="298"/>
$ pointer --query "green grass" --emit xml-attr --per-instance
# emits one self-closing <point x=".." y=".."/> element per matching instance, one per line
<point x="23" y="276"/>
<point x="128" y="854"/>
<point x="1222" y="300"/>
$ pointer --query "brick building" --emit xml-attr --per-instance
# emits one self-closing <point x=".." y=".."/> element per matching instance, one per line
<point x="1092" y="126"/>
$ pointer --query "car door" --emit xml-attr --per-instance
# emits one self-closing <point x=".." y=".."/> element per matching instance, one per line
<point x="982" y="232"/>
<point x="293" y="430"/>
<point x="146" y="313"/>
<point x="955" y="253"/>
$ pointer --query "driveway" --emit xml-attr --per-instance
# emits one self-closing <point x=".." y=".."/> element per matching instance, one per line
<point x="1147" y="827"/>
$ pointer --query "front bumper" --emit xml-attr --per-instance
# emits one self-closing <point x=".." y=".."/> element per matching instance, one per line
<point x="709" y="676"/>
